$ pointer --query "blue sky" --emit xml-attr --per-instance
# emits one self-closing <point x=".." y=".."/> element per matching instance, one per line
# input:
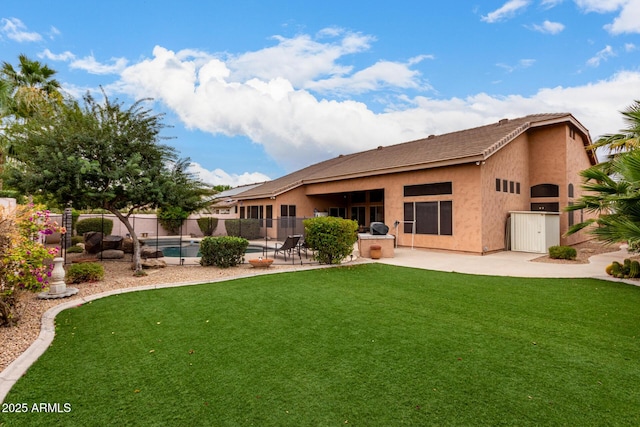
<point x="257" y="89"/>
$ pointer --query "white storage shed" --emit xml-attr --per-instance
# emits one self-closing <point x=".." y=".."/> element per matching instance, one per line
<point x="534" y="231"/>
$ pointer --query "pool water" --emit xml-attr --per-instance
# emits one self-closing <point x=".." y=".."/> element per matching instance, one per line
<point x="193" y="251"/>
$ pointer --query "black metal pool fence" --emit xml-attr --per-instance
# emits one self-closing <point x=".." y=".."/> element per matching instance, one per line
<point x="181" y="233"/>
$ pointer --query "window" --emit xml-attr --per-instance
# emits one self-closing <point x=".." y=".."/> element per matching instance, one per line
<point x="544" y="190"/>
<point x="505" y="184"/>
<point x="376" y="214"/>
<point x="517" y="188"/>
<point x="570" y="190"/>
<point x="287" y="216"/>
<point x="498" y="186"/>
<point x="338" y="212"/>
<point x="571" y="218"/>
<point x="433" y="189"/>
<point x="572" y="133"/>
<point x="430" y="217"/>
<point x="269" y="219"/>
<point x="357" y="214"/>
<point x="512" y="187"/>
<point x="376" y="196"/>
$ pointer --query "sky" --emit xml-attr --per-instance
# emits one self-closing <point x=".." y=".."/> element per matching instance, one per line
<point x="255" y="89"/>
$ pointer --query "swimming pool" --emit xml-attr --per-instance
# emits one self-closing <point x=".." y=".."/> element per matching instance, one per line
<point x="189" y="248"/>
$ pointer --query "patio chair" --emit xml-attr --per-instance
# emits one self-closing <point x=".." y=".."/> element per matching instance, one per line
<point x="288" y="247"/>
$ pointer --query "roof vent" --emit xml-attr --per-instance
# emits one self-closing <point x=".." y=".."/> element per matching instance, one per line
<point x="431" y="136"/>
<point x="380" y="147"/>
<point x="503" y="121"/>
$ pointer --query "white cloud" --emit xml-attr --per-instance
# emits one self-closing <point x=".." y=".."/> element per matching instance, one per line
<point x="602" y="55"/>
<point x="523" y="63"/>
<point x="53" y="32"/>
<point x="548" y="27"/>
<point x="220" y="177"/>
<point x="300" y="59"/>
<point x="90" y="65"/>
<point x="506" y="11"/>
<point x="626" y="22"/>
<point x="15" y="30"/>
<point x="600" y="6"/>
<point x="296" y="127"/>
<point x="548" y="4"/>
<point x="630" y="47"/>
<point x="64" y="56"/>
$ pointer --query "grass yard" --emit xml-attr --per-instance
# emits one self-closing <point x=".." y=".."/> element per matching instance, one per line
<point x="368" y="345"/>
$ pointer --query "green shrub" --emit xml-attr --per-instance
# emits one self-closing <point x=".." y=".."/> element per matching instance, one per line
<point x="85" y="272"/>
<point x="331" y="238"/>
<point x="77" y="239"/>
<point x="562" y="252"/>
<point x="207" y="225"/>
<point x="75" y="250"/>
<point x="99" y="224"/>
<point x="223" y="251"/>
<point x="248" y="228"/>
<point x="171" y="218"/>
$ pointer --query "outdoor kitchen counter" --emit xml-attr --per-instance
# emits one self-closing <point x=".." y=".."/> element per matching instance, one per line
<point x="385" y="241"/>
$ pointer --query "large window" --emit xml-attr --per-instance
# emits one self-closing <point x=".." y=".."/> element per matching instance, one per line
<point x="287" y="216"/>
<point x="544" y="190"/>
<point x="429" y="217"/>
<point x="269" y="219"/>
<point x="432" y="189"/>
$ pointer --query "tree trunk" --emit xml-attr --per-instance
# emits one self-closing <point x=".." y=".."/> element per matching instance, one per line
<point x="137" y="266"/>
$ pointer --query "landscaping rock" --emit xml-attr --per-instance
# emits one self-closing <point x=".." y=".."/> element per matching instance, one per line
<point x="111" y="254"/>
<point x="153" y="263"/>
<point x="112" y="242"/>
<point x="150" y="253"/>
<point x="93" y="242"/>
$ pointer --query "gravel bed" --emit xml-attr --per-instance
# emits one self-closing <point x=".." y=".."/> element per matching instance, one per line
<point x="118" y="275"/>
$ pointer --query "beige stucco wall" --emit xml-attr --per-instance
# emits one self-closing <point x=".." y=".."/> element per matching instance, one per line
<point x="510" y="163"/>
<point x="540" y="156"/>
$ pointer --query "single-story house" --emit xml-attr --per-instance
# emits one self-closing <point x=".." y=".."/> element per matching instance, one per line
<point x="452" y="192"/>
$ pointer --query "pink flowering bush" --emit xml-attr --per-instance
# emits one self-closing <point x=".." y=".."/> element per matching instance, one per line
<point x="27" y="262"/>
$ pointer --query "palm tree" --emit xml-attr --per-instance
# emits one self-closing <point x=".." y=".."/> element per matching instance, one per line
<point x="613" y="194"/>
<point x="627" y="139"/>
<point x="24" y="92"/>
<point x="30" y="87"/>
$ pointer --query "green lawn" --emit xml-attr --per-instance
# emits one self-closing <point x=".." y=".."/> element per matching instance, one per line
<point x="369" y="345"/>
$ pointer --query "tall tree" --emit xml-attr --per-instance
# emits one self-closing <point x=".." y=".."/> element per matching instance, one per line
<point x="102" y="155"/>
<point x="613" y="187"/>
<point x="626" y="139"/>
<point x="31" y="86"/>
<point x="614" y="198"/>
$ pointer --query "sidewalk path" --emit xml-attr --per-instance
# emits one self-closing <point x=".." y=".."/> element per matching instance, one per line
<point x="516" y="264"/>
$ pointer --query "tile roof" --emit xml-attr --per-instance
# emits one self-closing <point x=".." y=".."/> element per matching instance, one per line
<point x="452" y="148"/>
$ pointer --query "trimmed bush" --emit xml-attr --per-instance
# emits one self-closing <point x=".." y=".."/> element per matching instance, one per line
<point x="248" y="228"/>
<point x="77" y="239"/>
<point x="207" y="225"/>
<point x="75" y="250"/>
<point x="223" y="251"/>
<point x="171" y="218"/>
<point x="99" y="224"/>
<point x="562" y="252"/>
<point x="331" y="238"/>
<point x="85" y="272"/>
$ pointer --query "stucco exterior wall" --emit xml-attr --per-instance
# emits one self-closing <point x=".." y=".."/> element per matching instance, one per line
<point x="510" y="164"/>
<point x="542" y="155"/>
